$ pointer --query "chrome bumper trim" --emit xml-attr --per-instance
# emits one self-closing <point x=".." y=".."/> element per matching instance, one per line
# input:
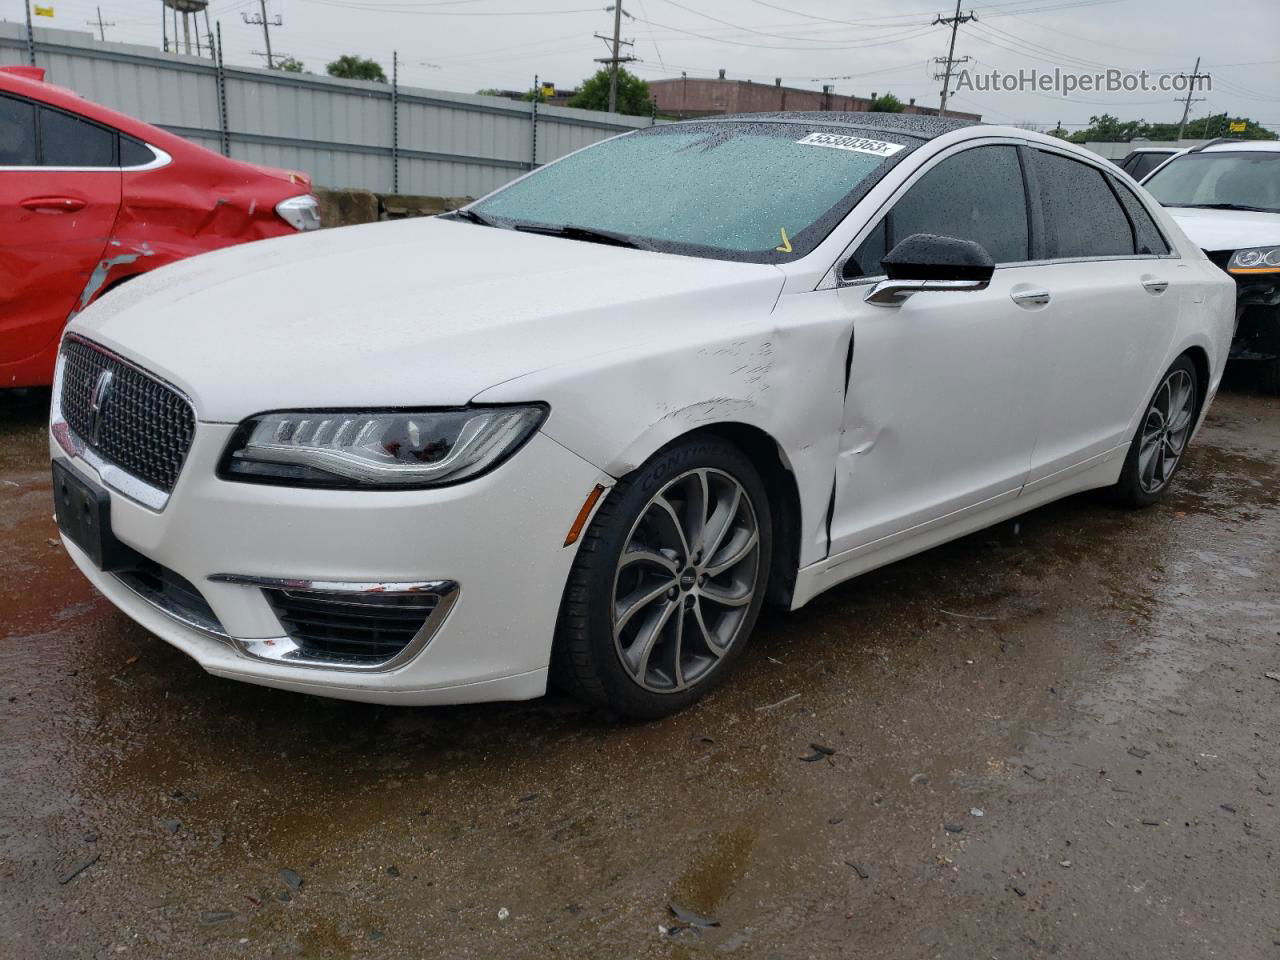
<point x="285" y="650"/>
<point x="174" y="613"/>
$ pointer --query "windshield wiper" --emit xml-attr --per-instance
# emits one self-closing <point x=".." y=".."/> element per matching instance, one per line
<point x="1222" y="206"/>
<point x="472" y="217"/>
<point x="589" y="234"/>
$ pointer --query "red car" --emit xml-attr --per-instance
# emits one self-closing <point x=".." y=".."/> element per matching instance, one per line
<point x="90" y="198"/>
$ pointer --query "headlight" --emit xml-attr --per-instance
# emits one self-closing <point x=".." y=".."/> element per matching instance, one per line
<point x="360" y="449"/>
<point x="301" y="213"/>
<point x="1255" y="260"/>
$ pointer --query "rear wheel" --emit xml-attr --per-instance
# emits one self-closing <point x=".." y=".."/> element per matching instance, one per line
<point x="668" y="582"/>
<point x="1163" y="433"/>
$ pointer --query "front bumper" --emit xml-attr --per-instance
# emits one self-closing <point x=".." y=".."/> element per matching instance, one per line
<point x="499" y="537"/>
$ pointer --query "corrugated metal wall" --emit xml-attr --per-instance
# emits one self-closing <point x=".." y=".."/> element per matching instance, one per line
<point x="339" y="131"/>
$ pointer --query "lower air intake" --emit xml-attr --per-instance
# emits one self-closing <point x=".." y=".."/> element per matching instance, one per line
<point x="359" y="629"/>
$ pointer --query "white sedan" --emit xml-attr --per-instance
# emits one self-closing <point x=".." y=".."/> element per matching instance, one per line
<point x="583" y="429"/>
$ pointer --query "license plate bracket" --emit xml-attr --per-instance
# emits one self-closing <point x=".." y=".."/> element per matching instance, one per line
<point x="83" y="511"/>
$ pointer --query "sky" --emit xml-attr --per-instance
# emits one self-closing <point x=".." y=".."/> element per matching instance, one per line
<point x="857" y="46"/>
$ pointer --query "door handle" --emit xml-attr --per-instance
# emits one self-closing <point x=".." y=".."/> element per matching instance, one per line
<point x="1030" y="298"/>
<point x="1154" y="286"/>
<point x="53" y="204"/>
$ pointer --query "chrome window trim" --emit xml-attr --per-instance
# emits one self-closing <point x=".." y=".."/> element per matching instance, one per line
<point x="284" y="651"/>
<point x="73" y="444"/>
<point x="159" y="159"/>
<point x="832" y="279"/>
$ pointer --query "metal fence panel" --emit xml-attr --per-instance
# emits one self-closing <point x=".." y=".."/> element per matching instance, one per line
<point x="339" y="131"/>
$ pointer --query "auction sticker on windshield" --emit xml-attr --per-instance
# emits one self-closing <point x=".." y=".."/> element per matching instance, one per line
<point x="856" y="144"/>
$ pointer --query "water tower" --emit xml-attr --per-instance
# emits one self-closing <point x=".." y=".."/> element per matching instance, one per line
<point x="188" y="9"/>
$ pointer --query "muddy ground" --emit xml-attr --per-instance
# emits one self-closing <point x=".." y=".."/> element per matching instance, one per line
<point x="1056" y="738"/>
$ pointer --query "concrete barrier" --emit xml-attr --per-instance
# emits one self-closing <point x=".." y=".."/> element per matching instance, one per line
<point x="342" y="208"/>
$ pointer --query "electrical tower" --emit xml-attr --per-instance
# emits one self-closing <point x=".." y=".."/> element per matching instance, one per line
<point x="950" y="60"/>
<point x="267" y="23"/>
<point x="614" y="60"/>
<point x="102" y="27"/>
<point x="1188" y="100"/>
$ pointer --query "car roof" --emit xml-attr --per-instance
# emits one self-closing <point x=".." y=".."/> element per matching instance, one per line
<point x="925" y="126"/>
<point x="1156" y="149"/>
<point x="1267" y="146"/>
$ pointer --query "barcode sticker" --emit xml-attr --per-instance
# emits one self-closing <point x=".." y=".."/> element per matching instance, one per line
<point x="857" y="144"/>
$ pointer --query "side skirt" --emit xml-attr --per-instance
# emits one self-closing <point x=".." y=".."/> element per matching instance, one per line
<point x="825" y="574"/>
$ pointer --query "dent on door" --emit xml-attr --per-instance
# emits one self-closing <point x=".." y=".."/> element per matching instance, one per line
<point x="937" y="415"/>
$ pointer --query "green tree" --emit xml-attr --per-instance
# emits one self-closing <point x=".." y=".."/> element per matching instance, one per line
<point x="350" y="67"/>
<point x="489" y="92"/>
<point x="1108" y="128"/>
<point x="887" y="104"/>
<point x="290" y="65"/>
<point x="633" y="94"/>
<point x="1219" y="125"/>
<point x="1111" y="129"/>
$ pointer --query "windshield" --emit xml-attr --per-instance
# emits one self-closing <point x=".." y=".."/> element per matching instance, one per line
<point x="1244" y="180"/>
<point x="762" y="192"/>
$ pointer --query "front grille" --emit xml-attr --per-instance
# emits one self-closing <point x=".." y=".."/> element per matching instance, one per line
<point x="144" y="426"/>
<point x="347" y="628"/>
<point x="173" y="594"/>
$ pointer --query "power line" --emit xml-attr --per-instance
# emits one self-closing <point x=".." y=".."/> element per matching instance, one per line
<point x="910" y="33"/>
<point x="950" y="60"/>
<point x="102" y="27"/>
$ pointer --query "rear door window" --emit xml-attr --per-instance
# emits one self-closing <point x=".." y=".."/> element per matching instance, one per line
<point x="68" y="141"/>
<point x="1148" y="239"/>
<point x="134" y="153"/>
<point x="17" y="133"/>
<point x="1082" y="216"/>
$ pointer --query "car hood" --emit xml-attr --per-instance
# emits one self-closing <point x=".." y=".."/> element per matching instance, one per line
<point x="1227" y="229"/>
<point x="423" y="312"/>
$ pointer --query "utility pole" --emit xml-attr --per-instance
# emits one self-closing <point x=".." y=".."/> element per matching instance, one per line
<point x="102" y="27"/>
<point x="1188" y="100"/>
<point x="267" y="23"/>
<point x="614" y="60"/>
<point x="954" y="20"/>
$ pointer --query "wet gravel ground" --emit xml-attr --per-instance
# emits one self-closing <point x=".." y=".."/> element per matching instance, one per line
<point x="1053" y="738"/>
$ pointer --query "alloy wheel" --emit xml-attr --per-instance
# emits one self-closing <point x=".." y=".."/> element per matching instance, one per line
<point x="685" y="580"/>
<point x="1166" y="430"/>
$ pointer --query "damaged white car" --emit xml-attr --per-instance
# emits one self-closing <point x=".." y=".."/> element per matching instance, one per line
<point x="583" y="429"/>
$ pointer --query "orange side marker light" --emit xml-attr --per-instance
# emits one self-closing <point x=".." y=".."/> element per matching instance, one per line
<point x="581" y="520"/>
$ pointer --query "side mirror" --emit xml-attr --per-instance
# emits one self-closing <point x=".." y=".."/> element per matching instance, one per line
<point x="925" y="261"/>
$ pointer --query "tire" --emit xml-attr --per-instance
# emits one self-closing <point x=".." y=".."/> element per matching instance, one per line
<point x="642" y="629"/>
<point x="1161" y="440"/>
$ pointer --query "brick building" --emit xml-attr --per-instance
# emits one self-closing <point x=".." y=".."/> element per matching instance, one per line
<point x="706" y="96"/>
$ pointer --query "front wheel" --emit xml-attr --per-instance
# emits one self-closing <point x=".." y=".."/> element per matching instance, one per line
<point x="668" y="582"/>
<point x="1163" y="433"/>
